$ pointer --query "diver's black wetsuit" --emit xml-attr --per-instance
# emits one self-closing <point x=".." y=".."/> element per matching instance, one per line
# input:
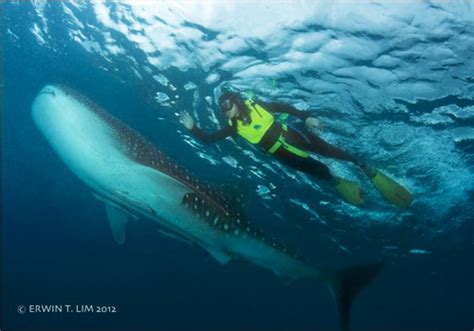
<point x="300" y="138"/>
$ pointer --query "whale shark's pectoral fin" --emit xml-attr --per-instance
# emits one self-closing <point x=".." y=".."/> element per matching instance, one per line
<point x="221" y="256"/>
<point x="118" y="219"/>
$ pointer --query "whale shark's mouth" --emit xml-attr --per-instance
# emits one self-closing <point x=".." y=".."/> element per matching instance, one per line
<point x="48" y="90"/>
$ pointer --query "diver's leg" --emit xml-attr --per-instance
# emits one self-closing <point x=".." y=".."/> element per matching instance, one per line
<point x="349" y="190"/>
<point x="390" y="189"/>
<point x="300" y="137"/>
<point x="319" y="146"/>
<point x="322" y="147"/>
<point x="307" y="165"/>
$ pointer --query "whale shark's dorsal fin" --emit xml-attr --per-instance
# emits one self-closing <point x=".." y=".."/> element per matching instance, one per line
<point x="118" y="219"/>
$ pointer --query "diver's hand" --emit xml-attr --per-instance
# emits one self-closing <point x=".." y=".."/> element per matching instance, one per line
<point x="312" y="123"/>
<point x="187" y="120"/>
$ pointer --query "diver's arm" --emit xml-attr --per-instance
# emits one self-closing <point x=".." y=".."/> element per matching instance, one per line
<point x="279" y="107"/>
<point x="209" y="138"/>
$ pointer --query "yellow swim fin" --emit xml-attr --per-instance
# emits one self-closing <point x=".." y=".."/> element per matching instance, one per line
<point x="350" y="191"/>
<point x="391" y="190"/>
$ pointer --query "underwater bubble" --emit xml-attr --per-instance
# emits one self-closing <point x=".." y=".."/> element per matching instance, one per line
<point x="262" y="190"/>
<point x="230" y="161"/>
<point x="189" y="86"/>
<point x="161" y="97"/>
<point x="212" y="78"/>
<point x="161" y="79"/>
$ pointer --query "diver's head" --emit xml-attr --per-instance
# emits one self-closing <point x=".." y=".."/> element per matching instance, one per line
<point x="229" y="103"/>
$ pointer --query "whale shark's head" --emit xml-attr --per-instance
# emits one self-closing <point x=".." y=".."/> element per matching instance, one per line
<point x="71" y="125"/>
<point x="52" y="106"/>
<point x="49" y="108"/>
<point x="60" y="113"/>
<point x="49" y="98"/>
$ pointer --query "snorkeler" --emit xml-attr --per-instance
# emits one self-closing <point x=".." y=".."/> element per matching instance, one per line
<point x="292" y="145"/>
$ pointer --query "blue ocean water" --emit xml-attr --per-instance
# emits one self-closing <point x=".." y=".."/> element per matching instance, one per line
<point x="391" y="82"/>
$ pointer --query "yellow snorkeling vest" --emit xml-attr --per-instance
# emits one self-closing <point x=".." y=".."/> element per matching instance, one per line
<point x="260" y="121"/>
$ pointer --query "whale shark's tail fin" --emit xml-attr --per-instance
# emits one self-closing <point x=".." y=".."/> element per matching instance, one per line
<point x="345" y="284"/>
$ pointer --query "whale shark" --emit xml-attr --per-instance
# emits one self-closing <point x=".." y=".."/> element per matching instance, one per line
<point x="134" y="178"/>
